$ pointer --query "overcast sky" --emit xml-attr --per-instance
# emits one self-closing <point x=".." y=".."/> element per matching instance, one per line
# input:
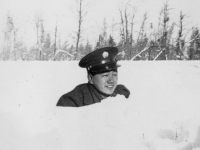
<point x="64" y="12"/>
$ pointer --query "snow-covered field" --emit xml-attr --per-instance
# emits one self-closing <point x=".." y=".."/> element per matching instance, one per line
<point x="162" y="113"/>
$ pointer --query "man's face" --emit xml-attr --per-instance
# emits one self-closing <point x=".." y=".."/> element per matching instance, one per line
<point x="105" y="82"/>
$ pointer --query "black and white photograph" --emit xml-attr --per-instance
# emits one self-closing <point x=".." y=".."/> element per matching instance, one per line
<point x="99" y="75"/>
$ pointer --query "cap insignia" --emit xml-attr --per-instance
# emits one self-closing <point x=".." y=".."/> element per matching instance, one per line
<point x="105" y="54"/>
<point x="107" y="68"/>
<point x="103" y="62"/>
<point x="89" y="67"/>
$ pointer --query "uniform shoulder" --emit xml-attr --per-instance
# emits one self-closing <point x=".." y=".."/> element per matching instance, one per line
<point x="122" y="90"/>
<point x="72" y="98"/>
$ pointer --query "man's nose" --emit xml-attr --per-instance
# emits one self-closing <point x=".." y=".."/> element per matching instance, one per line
<point x="111" y="79"/>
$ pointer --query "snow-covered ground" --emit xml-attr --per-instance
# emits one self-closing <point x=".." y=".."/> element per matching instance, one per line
<point x="162" y="113"/>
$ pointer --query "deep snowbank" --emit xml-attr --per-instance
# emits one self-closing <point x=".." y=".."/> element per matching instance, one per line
<point x="161" y="113"/>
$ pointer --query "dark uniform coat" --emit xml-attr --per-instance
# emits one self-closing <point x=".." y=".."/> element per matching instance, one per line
<point x="86" y="94"/>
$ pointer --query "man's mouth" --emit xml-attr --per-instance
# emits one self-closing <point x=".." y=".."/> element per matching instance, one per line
<point x="110" y="86"/>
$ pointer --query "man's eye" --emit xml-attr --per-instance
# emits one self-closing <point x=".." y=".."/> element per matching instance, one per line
<point x="105" y="75"/>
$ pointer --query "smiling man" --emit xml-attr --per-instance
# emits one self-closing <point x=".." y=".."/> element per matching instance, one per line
<point x="101" y="66"/>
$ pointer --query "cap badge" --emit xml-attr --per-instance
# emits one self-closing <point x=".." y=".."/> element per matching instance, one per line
<point x="103" y="62"/>
<point x="105" y="54"/>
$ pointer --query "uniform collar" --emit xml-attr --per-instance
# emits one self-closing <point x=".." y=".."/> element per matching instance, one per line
<point x="91" y="95"/>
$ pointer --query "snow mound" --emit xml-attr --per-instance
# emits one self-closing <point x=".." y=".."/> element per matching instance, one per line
<point x="162" y="111"/>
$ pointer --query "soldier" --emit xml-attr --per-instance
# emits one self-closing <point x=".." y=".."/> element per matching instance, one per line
<point x="101" y="66"/>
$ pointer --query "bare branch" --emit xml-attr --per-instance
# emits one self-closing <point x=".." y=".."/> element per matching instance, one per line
<point x="126" y="25"/>
<point x="80" y="20"/>
<point x="62" y="51"/>
<point x="142" y="27"/>
<point x="190" y="41"/>
<point x="187" y="33"/>
<point x="145" y="49"/>
<point x="122" y="24"/>
<point x="158" y="55"/>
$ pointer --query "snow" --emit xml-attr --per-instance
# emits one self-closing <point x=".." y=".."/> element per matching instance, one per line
<point x="164" y="102"/>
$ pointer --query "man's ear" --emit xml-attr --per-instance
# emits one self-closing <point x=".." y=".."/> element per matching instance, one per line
<point x="90" y="78"/>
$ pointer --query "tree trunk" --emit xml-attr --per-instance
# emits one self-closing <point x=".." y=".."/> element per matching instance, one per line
<point x="55" y="42"/>
<point x="79" y="28"/>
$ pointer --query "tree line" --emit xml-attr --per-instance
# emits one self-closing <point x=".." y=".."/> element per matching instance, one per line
<point x="156" y="43"/>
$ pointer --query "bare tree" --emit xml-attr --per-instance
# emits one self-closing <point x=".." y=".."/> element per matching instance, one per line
<point x="39" y="34"/>
<point x="37" y="24"/>
<point x="102" y="42"/>
<point x="10" y="39"/>
<point x="80" y="20"/>
<point x="141" y="32"/>
<point x="80" y="11"/>
<point x="81" y="16"/>
<point x="55" y="41"/>
<point x="8" y="36"/>
<point x="194" y="44"/>
<point x="122" y="29"/>
<point x="180" y="40"/>
<point x="159" y="47"/>
<point x="140" y="48"/>
<point x="163" y="32"/>
<point x="132" y="23"/>
<point x="126" y="25"/>
<point x="127" y="16"/>
<point x="163" y="39"/>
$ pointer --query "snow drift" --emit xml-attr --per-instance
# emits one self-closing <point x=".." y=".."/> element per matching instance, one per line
<point x="162" y="111"/>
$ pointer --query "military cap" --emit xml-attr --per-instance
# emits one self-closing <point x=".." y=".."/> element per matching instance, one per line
<point x="100" y="60"/>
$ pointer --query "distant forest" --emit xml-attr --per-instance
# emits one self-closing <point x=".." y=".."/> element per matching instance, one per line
<point x="154" y="44"/>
